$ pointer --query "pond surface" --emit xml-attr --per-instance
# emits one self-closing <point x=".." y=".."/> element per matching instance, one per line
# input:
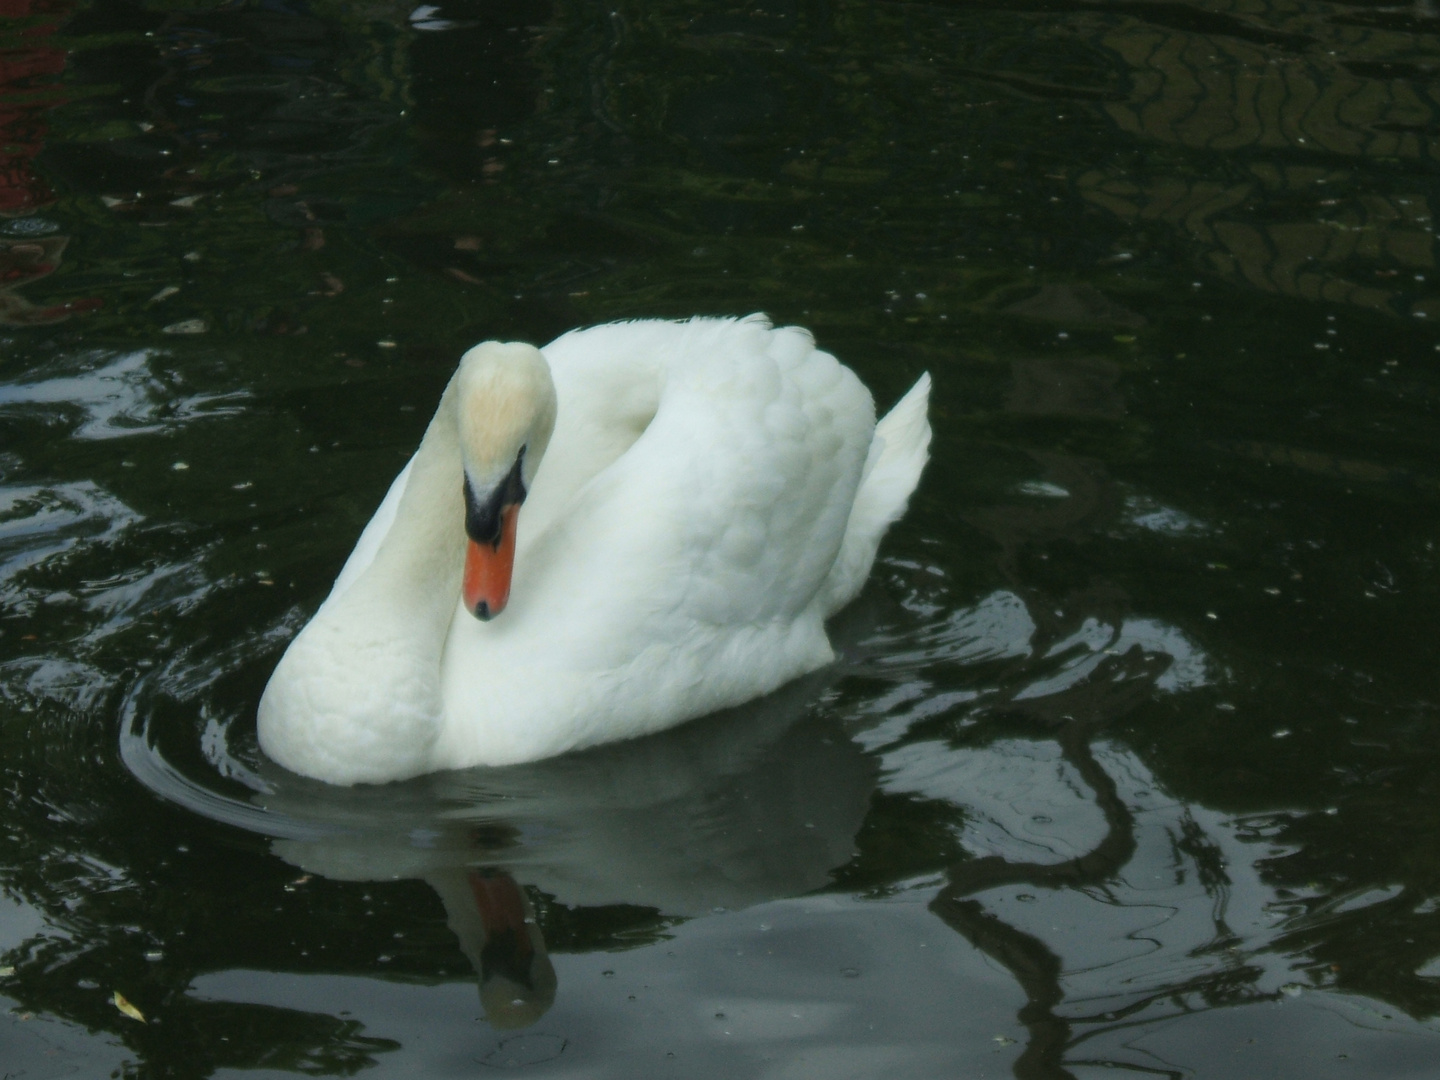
<point x="1132" y="756"/>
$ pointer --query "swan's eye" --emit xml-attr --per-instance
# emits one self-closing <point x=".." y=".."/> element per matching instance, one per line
<point x="485" y="511"/>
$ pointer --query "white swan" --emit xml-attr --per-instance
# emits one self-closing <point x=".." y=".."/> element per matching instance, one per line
<point x="698" y="497"/>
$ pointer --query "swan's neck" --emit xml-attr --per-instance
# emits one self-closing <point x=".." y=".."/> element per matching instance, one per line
<point x="356" y="697"/>
<point x="418" y="565"/>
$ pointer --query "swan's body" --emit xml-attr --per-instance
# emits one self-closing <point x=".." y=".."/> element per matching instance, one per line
<point x="712" y="492"/>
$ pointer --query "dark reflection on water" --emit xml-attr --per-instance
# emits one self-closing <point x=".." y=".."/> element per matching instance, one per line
<point x="1130" y="760"/>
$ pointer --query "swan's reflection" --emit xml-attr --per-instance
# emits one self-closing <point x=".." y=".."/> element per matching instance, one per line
<point x="750" y="805"/>
<point x="490" y="914"/>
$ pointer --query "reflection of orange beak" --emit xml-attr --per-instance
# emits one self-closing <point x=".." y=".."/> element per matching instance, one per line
<point x="488" y="567"/>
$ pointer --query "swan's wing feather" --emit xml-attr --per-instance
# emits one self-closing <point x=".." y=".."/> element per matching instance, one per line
<point x="729" y="510"/>
<point x="781" y="436"/>
<point x="892" y="469"/>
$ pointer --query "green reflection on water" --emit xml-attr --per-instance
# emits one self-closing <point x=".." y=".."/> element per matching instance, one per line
<point x="1173" y="271"/>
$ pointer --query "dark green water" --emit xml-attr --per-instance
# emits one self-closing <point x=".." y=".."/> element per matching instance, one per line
<point x="1133" y="756"/>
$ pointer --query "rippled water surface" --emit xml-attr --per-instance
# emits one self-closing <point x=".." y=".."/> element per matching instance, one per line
<point x="1132" y="756"/>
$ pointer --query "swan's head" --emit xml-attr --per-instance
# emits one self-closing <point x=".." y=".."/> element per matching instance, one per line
<point x="506" y="403"/>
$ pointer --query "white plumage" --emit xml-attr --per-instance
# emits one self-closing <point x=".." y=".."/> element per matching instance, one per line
<point x="713" y="491"/>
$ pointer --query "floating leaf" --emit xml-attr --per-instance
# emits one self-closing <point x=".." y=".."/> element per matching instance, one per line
<point x="188" y="326"/>
<point x="126" y="1008"/>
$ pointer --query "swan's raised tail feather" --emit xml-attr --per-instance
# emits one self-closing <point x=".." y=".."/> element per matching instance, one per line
<point x="892" y="469"/>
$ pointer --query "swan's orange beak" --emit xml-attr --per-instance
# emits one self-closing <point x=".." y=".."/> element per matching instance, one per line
<point x="488" y="567"/>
